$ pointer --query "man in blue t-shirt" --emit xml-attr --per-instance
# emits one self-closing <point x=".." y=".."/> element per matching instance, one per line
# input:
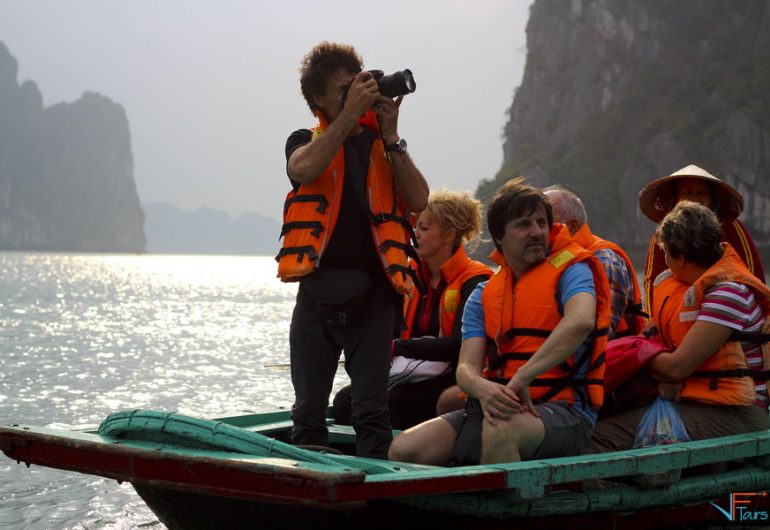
<point x="501" y="422"/>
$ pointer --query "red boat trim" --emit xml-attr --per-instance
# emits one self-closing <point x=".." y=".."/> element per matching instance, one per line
<point x="231" y="475"/>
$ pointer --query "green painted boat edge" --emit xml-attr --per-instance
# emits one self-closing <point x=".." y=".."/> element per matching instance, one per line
<point x="529" y="484"/>
<point x="171" y="428"/>
<point x="617" y="498"/>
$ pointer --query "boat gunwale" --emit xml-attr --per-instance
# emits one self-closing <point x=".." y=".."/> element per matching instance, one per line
<point x="280" y="478"/>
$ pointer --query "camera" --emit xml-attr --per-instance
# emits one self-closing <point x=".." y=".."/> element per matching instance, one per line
<point x="396" y="84"/>
<point x="392" y="85"/>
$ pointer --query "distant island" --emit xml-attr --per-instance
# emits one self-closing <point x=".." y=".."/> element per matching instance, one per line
<point x="67" y="184"/>
<point x="208" y="231"/>
<point x="66" y="172"/>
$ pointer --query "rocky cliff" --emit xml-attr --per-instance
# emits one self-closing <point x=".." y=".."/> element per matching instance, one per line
<point x="66" y="172"/>
<point x="618" y="92"/>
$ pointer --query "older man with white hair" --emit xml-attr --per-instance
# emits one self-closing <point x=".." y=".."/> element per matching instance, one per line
<point x="626" y="316"/>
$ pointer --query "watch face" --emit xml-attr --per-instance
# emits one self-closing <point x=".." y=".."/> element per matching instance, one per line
<point x="399" y="146"/>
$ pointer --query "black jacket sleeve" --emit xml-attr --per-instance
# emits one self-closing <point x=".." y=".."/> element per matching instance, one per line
<point x="440" y="348"/>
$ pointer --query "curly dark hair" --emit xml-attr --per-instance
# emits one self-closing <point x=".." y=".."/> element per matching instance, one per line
<point x="323" y="60"/>
<point x="514" y="199"/>
<point x="693" y="231"/>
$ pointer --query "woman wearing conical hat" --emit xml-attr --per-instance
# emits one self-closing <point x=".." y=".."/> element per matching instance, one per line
<point x="696" y="184"/>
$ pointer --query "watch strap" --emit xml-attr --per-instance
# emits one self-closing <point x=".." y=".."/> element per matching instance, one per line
<point x="399" y="146"/>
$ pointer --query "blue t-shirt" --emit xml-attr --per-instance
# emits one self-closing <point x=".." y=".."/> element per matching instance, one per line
<point x="576" y="279"/>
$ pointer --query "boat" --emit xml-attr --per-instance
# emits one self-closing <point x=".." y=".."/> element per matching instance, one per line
<point x="239" y="472"/>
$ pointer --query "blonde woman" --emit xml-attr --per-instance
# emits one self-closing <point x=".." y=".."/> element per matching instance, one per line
<point x="433" y="318"/>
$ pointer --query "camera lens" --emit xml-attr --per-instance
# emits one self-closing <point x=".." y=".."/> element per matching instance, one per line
<point x="397" y="84"/>
<point x="409" y="83"/>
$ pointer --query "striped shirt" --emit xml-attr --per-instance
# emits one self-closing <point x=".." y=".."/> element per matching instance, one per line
<point x="733" y="305"/>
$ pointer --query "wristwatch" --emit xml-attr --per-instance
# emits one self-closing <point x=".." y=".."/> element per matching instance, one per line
<point x="398" y="146"/>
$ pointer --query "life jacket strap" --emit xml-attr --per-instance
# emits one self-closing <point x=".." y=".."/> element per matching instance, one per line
<point x="496" y="361"/>
<point x="322" y="201"/>
<point x="524" y="332"/>
<point x="636" y="309"/>
<point x="543" y="333"/>
<point x="556" y="385"/>
<point x="756" y="338"/>
<point x="378" y="219"/>
<point x="405" y="247"/>
<point x="559" y="384"/>
<point x="315" y="227"/>
<point x="301" y="252"/>
<point x="716" y="375"/>
<point x="406" y="271"/>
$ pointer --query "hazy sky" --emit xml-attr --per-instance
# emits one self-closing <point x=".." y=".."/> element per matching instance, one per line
<point x="211" y="87"/>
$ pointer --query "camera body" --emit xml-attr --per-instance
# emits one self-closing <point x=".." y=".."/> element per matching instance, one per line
<point x="391" y="85"/>
<point x="396" y="84"/>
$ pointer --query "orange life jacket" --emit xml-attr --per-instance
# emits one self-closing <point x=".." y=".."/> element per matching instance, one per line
<point x="455" y="272"/>
<point x="724" y="378"/>
<point x="310" y="214"/>
<point x="633" y="319"/>
<point x="519" y="314"/>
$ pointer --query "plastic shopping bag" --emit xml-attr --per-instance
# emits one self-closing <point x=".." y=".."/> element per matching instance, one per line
<point x="661" y="425"/>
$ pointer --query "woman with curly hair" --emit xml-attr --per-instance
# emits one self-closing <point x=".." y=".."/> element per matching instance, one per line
<point x="710" y="312"/>
<point x="425" y="355"/>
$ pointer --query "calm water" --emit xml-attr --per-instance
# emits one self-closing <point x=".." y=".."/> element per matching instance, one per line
<point x="85" y="335"/>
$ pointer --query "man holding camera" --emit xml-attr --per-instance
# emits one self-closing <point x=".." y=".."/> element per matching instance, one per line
<point x="346" y="241"/>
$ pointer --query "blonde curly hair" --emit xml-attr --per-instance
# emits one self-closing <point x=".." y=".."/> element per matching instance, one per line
<point x="459" y="211"/>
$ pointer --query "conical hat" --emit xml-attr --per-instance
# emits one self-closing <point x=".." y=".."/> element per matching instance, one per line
<point x="657" y="198"/>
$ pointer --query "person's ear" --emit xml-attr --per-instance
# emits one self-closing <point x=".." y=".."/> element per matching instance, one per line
<point x="449" y="236"/>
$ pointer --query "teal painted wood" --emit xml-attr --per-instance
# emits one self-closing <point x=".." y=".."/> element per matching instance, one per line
<point x="618" y="498"/>
<point x="532" y="479"/>
<point x="530" y="484"/>
<point x="177" y="430"/>
<point x="184" y="431"/>
<point x="521" y="475"/>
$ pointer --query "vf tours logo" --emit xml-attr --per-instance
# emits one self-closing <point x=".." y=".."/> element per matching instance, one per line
<point x="738" y="510"/>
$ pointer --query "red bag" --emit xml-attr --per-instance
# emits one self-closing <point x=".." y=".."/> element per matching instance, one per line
<point x="625" y="356"/>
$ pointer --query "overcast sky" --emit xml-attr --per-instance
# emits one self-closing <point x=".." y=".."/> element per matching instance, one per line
<point x="211" y="87"/>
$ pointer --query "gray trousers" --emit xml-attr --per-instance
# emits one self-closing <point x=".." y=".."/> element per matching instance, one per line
<point x="316" y="345"/>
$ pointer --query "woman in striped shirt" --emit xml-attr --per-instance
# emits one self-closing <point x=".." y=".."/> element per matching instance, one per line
<point x="711" y="313"/>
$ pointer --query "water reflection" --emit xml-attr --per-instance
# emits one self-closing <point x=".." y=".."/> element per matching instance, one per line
<point x="85" y="335"/>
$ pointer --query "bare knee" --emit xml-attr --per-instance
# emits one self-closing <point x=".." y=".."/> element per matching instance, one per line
<point x="512" y="440"/>
<point x="428" y="443"/>
<point x="401" y="450"/>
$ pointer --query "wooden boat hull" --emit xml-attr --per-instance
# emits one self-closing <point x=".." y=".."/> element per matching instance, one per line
<point x="229" y="473"/>
<point x="190" y="511"/>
